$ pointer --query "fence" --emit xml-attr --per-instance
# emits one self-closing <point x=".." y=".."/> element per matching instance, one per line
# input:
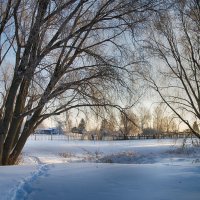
<point x="155" y="136"/>
<point x="75" y="136"/>
<point x="67" y="137"/>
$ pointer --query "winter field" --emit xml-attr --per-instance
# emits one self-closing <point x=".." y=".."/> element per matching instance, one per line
<point x="104" y="170"/>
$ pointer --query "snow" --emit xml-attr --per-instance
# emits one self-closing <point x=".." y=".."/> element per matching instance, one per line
<point x="115" y="181"/>
<point x="12" y="178"/>
<point x="109" y="170"/>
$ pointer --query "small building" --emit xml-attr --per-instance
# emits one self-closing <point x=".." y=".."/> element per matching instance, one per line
<point x="49" y="131"/>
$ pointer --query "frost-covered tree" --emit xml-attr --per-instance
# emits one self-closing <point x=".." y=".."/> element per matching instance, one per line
<point x="63" y="55"/>
<point x="173" y="42"/>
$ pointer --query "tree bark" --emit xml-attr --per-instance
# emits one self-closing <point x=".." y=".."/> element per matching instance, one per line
<point x="16" y="120"/>
<point x="28" y="129"/>
<point x="17" y="150"/>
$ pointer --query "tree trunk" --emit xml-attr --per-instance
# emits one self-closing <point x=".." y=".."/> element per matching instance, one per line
<point x="9" y="141"/>
<point x="16" y="121"/>
<point x="18" y="149"/>
<point x="28" y="129"/>
<point x="17" y="134"/>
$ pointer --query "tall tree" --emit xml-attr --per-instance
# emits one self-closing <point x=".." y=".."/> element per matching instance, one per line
<point x="144" y="118"/>
<point x="129" y="123"/>
<point x="82" y="125"/>
<point x="163" y="121"/>
<point x="68" y="122"/>
<point x="65" y="55"/>
<point x="174" y="43"/>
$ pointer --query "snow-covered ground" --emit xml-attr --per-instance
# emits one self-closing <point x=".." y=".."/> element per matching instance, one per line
<point x="104" y="170"/>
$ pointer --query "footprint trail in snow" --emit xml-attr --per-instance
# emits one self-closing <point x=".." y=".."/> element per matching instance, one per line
<point x="23" y="187"/>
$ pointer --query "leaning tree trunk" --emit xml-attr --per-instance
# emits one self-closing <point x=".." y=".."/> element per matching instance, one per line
<point x="13" y="150"/>
<point x="17" y="96"/>
<point x="13" y="157"/>
<point x="28" y="129"/>
<point x="9" y="105"/>
<point x="16" y="122"/>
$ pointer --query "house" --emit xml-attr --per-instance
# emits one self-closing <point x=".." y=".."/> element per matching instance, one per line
<point x="49" y="131"/>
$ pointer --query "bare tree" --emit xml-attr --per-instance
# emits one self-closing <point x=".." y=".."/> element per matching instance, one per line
<point x="66" y="55"/>
<point x="163" y="121"/>
<point x="144" y="118"/>
<point x="112" y="123"/>
<point x="174" y="43"/>
<point x="129" y="123"/>
<point x="158" y="118"/>
<point x="103" y="128"/>
<point x="68" y="122"/>
<point x="108" y="125"/>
